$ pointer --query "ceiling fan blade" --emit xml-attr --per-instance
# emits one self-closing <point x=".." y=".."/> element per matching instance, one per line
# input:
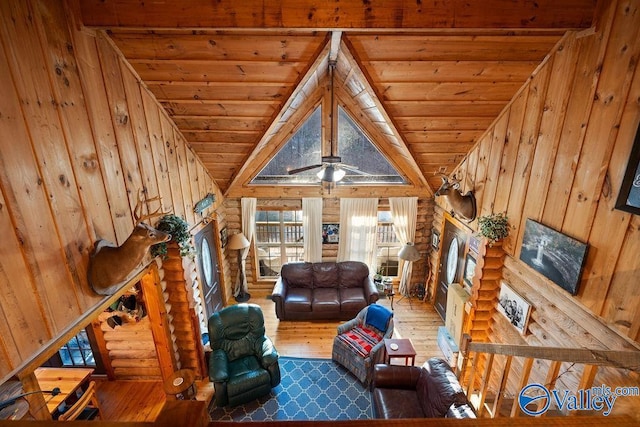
<point x="351" y="168"/>
<point x="302" y="169"/>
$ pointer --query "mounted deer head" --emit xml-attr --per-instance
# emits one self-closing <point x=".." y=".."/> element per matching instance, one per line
<point x="110" y="265"/>
<point x="463" y="206"/>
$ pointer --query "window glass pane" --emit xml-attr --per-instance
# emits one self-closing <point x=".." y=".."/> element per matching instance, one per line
<point x="77" y="352"/>
<point x="279" y="240"/>
<point x="303" y="149"/>
<point x="388" y="245"/>
<point x="357" y="150"/>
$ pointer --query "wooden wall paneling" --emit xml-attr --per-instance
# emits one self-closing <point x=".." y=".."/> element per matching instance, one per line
<point x="153" y="115"/>
<point x="191" y="166"/>
<point x="472" y="164"/>
<point x="140" y="133"/>
<point x="185" y="183"/>
<point x="21" y="309"/>
<point x="119" y="109"/>
<point x="563" y="68"/>
<point x="536" y="95"/>
<point x="602" y="128"/>
<point x="484" y="150"/>
<point x="510" y="150"/>
<point x="31" y="208"/>
<point x="74" y="117"/>
<point x="573" y="130"/>
<point x="104" y="137"/>
<point x="172" y="165"/>
<point x="623" y="296"/>
<point x="610" y="226"/>
<point x="498" y="142"/>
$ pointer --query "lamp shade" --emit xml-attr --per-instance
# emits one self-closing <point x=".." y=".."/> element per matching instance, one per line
<point x="409" y="253"/>
<point x="238" y="241"/>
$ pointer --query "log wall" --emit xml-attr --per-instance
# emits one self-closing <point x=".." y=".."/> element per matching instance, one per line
<point x="557" y="155"/>
<point x="80" y="137"/>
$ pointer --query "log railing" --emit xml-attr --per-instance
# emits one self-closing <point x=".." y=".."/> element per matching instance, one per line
<point x="477" y="380"/>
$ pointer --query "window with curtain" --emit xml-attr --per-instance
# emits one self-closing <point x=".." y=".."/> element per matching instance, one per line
<point x="388" y="246"/>
<point x="279" y="239"/>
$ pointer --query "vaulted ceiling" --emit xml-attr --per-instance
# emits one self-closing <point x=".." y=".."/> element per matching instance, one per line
<point x="423" y="79"/>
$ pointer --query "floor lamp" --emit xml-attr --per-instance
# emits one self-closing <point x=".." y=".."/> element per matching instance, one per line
<point x="408" y="254"/>
<point x="239" y="242"/>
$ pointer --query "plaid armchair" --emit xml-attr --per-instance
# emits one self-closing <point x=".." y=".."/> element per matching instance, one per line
<point x="360" y="341"/>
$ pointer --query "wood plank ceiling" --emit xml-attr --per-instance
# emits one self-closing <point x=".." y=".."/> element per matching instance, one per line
<point x="437" y="72"/>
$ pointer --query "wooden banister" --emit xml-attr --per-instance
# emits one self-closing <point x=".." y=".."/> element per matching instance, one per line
<point x="478" y="360"/>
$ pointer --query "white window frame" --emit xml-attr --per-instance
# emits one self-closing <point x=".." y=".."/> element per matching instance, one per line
<point x="282" y="244"/>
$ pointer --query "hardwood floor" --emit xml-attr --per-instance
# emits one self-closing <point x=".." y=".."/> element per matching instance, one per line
<point x="413" y="319"/>
<point x="143" y="400"/>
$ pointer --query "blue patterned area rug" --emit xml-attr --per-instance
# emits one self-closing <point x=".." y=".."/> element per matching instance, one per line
<point x="311" y="389"/>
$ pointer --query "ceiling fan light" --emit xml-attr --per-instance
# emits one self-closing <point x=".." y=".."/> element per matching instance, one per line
<point x="331" y="174"/>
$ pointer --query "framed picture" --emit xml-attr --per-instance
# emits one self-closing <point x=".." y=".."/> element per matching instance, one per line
<point x="223" y="237"/>
<point x="474" y="244"/>
<point x="330" y="233"/>
<point x="629" y="195"/>
<point x="515" y="308"/>
<point x="435" y="239"/>
<point x="469" y="270"/>
<point x="556" y="256"/>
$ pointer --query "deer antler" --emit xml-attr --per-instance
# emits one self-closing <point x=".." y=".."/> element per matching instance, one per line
<point x="137" y="211"/>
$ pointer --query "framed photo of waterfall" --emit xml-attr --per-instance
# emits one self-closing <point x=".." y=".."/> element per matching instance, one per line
<point x="556" y="256"/>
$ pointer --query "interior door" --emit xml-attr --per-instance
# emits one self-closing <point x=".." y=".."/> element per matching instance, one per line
<point x="451" y="263"/>
<point x="209" y="272"/>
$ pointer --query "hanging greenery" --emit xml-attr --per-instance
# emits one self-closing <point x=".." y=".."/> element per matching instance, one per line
<point x="179" y="230"/>
<point x="493" y="227"/>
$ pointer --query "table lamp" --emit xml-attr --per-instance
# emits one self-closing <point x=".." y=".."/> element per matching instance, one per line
<point x="239" y="242"/>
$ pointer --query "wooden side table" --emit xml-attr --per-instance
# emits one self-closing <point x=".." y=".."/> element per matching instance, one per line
<point x="405" y="349"/>
<point x="181" y="384"/>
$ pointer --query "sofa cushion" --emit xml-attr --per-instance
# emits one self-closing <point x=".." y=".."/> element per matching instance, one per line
<point x="396" y="403"/>
<point x="352" y="299"/>
<point x="325" y="300"/>
<point x="325" y="275"/>
<point x="438" y="388"/>
<point x="353" y="274"/>
<point x="298" y="300"/>
<point x="298" y="274"/>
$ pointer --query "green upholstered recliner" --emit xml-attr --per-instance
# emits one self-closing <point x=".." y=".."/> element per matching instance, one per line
<point x="244" y="363"/>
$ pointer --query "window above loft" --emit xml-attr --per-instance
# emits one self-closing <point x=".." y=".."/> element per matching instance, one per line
<point x="304" y="148"/>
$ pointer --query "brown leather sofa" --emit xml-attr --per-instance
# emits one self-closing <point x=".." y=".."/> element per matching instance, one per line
<point x="430" y="391"/>
<point x="323" y="290"/>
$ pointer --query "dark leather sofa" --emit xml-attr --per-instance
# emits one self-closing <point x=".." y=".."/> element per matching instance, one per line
<point x="323" y="290"/>
<point x="430" y="391"/>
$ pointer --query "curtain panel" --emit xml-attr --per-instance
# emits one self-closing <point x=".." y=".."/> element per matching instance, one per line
<point x="312" y="228"/>
<point x="404" y="213"/>
<point x="248" y="206"/>
<point x="358" y="231"/>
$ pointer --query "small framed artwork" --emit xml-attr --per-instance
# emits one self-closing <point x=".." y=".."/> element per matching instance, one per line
<point x="556" y="256"/>
<point x="223" y="237"/>
<point x="514" y="307"/>
<point x="629" y="195"/>
<point x="330" y="233"/>
<point x="474" y="244"/>
<point x="435" y="239"/>
<point x="469" y="270"/>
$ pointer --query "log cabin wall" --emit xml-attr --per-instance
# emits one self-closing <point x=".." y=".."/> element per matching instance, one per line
<point x="80" y="137"/>
<point x="330" y="215"/>
<point x="557" y="155"/>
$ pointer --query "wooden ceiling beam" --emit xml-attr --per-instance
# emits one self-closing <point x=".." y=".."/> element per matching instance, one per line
<point x="398" y="14"/>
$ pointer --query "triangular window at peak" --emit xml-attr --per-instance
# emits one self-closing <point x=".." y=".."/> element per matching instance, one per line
<point x="304" y="148"/>
<point x="361" y="161"/>
<point x="356" y="149"/>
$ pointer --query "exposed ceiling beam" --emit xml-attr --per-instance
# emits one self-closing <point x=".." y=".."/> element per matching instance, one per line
<point x="395" y="14"/>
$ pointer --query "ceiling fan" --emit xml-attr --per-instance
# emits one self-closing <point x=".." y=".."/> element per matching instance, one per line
<point x="333" y="170"/>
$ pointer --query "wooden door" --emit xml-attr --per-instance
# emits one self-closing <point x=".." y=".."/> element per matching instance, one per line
<point x="451" y="263"/>
<point x="207" y="254"/>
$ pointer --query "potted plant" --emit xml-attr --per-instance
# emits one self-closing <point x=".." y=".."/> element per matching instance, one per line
<point x="179" y="230"/>
<point x="493" y="227"/>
